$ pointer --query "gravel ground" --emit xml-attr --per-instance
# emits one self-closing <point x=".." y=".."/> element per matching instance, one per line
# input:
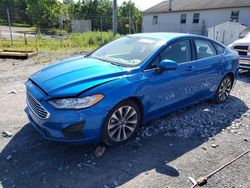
<point x="190" y="142"/>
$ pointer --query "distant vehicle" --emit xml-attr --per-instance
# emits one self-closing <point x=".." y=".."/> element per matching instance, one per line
<point x="242" y="46"/>
<point x="107" y="94"/>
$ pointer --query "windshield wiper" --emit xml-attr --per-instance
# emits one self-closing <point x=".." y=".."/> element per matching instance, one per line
<point x="105" y="60"/>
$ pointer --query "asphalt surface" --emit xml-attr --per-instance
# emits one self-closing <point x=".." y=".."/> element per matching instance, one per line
<point x="190" y="142"/>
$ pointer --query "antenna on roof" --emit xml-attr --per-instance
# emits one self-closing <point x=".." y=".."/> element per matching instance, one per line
<point x="170" y="5"/>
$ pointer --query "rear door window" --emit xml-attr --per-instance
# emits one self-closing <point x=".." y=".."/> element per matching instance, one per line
<point x="204" y="49"/>
<point x="220" y="49"/>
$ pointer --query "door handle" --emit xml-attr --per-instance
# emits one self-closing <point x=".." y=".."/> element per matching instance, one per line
<point x="190" y="68"/>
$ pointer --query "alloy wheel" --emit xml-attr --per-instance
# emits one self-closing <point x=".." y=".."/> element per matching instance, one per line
<point x="225" y="89"/>
<point x="122" y="123"/>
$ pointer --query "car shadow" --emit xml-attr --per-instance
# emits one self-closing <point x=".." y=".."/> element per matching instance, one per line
<point x="39" y="163"/>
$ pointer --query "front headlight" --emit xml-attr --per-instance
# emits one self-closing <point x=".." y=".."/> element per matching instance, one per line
<point x="76" y="103"/>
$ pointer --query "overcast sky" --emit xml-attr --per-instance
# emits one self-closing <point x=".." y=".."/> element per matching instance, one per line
<point x="141" y="4"/>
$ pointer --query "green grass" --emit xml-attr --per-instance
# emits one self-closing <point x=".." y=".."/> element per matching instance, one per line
<point x="74" y="42"/>
<point x="14" y="24"/>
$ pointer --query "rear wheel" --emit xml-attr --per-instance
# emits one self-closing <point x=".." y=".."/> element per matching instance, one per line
<point x="224" y="89"/>
<point x="121" y="123"/>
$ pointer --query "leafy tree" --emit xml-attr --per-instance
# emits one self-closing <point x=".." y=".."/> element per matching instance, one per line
<point x="67" y="1"/>
<point x="44" y="13"/>
<point x="94" y="10"/>
<point x="47" y="13"/>
<point x="74" y="9"/>
<point x="126" y="9"/>
<point x="16" y="10"/>
<point x="105" y="9"/>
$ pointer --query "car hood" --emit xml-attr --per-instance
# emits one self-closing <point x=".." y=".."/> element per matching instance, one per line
<point x="243" y="41"/>
<point x="73" y="76"/>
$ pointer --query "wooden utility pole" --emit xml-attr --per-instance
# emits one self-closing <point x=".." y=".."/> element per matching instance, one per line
<point x="129" y="16"/>
<point x="114" y="17"/>
<point x="101" y="29"/>
<point x="8" y="15"/>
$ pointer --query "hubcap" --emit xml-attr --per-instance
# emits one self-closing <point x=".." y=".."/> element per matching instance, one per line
<point x="122" y="123"/>
<point x="225" y="89"/>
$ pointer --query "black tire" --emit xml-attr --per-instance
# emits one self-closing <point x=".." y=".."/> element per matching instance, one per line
<point x="107" y="139"/>
<point x="224" y="89"/>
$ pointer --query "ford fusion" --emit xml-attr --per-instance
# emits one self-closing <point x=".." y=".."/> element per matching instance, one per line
<point x="106" y="95"/>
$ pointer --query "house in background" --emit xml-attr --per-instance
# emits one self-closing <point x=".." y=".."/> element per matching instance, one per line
<point x="194" y="16"/>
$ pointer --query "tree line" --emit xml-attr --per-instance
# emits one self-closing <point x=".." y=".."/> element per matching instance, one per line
<point x="47" y="14"/>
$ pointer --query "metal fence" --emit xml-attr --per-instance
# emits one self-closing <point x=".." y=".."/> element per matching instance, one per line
<point x="16" y="16"/>
<point x="16" y="27"/>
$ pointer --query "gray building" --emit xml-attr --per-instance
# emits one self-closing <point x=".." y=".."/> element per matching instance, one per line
<point x="194" y="16"/>
<point x="81" y="26"/>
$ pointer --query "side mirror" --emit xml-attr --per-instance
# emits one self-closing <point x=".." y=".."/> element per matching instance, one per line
<point x="167" y="64"/>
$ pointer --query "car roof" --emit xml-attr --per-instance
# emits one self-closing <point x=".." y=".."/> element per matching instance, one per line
<point x="164" y="36"/>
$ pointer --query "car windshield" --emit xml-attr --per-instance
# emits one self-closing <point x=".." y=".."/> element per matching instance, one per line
<point x="127" y="51"/>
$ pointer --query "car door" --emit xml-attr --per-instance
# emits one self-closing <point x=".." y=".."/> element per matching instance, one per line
<point x="171" y="89"/>
<point x="209" y="64"/>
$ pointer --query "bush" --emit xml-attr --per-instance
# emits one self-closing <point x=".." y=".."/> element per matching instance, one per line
<point x="75" y="42"/>
<point x="90" y="39"/>
<point x="57" y="32"/>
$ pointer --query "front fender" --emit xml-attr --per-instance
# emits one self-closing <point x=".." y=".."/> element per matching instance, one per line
<point x="119" y="90"/>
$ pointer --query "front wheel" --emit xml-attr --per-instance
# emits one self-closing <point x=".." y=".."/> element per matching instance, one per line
<point x="224" y="89"/>
<point x="121" y="123"/>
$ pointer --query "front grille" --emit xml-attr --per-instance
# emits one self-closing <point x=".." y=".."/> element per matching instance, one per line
<point x="241" y="47"/>
<point x="243" y="50"/>
<point x="245" y="63"/>
<point x="36" y="107"/>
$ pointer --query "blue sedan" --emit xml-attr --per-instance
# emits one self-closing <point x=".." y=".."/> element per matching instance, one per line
<point x="106" y="95"/>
